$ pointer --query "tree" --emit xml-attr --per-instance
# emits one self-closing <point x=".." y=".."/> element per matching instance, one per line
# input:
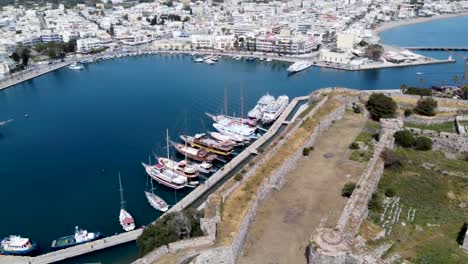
<point x="391" y="159"/>
<point x="418" y="91"/>
<point x="348" y="189"/>
<point x="381" y="106"/>
<point x="15" y="57"/>
<point x="374" y="51"/>
<point x="25" y="55"/>
<point x="404" y="138"/>
<point x="111" y="30"/>
<point x="426" y="106"/>
<point x="423" y="143"/>
<point x="408" y="112"/>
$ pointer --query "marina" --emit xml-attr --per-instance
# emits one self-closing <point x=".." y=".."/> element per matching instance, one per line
<point x="295" y="85"/>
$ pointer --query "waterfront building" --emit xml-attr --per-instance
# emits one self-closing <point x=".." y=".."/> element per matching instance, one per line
<point x="335" y="56"/>
<point x="88" y="44"/>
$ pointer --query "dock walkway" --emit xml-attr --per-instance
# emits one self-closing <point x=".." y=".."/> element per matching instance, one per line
<point x="193" y="196"/>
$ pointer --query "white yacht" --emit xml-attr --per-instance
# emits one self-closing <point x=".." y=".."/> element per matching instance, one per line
<point x="257" y="112"/>
<point x="199" y="60"/>
<point x="274" y="110"/>
<point x="209" y="61"/>
<point x="75" y="66"/>
<point x="299" y="66"/>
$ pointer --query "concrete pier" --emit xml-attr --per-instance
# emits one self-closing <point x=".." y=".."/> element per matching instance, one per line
<point x="193" y="196"/>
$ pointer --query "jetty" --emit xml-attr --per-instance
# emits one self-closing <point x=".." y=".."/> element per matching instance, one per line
<point x="438" y="48"/>
<point x="187" y="201"/>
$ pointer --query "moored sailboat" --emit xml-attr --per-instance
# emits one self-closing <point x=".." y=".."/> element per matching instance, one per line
<point x="125" y="219"/>
<point x="155" y="201"/>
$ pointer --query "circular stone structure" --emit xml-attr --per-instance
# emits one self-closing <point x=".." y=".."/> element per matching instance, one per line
<point x="328" y="247"/>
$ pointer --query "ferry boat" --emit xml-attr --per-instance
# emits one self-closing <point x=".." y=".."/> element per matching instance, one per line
<point x="155" y="201"/>
<point x="16" y="245"/>
<point x="183" y="167"/>
<point x="80" y="237"/>
<point x="75" y="66"/>
<point x="204" y="142"/>
<point x="274" y="110"/>
<point x="165" y="177"/>
<point x="224" y="138"/>
<point x="299" y="66"/>
<point x="257" y="112"/>
<point x="195" y="154"/>
<point x="125" y="219"/>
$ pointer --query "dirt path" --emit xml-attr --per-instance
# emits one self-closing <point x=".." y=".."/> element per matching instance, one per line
<point x="286" y="219"/>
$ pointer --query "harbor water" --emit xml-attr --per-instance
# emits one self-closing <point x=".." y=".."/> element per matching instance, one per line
<point x="74" y="131"/>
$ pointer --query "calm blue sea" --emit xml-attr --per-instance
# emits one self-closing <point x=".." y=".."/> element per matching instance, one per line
<point x="59" y="167"/>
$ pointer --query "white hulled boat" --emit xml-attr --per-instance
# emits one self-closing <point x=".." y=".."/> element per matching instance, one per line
<point x="299" y="66"/>
<point x="257" y="112"/>
<point x="125" y="219"/>
<point x="199" y="60"/>
<point x="209" y="61"/>
<point x="224" y="138"/>
<point x="183" y="167"/>
<point x="274" y="110"/>
<point x="155" y="201"/>
<point x="75" y="66"/>
<point x="166" y="177"/>
<point x="16" y="245"/>
<point x="234" y="129"/>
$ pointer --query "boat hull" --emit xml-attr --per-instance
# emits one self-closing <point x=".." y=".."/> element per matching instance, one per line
<point x="25" y="252"/>
<point x="69" y="241"/>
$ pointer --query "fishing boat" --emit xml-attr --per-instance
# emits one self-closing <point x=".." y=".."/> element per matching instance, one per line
<point x="299" y="66"/>
<point x="274" y="110"/>
<point x="183" y="167"/>
<point x="257" y="112"/>
<point x="224" y="138"/>
<point x="164" y="176"/>
<point x="155" y="201"/>
<point x="204" y="142"/>
<point x="125" y="219"/>
<point x="75" y="66"/>
<point x="80" y="237"/>
<point x="16" y="245"/>
<point x="195" y="154"/>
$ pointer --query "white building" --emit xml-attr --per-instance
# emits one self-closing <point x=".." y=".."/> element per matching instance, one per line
<point x="88" y="44"/>
<point x="345" y="41"/>
<point x="335" y="56"/>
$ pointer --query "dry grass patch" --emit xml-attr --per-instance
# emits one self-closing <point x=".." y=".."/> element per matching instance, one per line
<point x="236" y="205"/>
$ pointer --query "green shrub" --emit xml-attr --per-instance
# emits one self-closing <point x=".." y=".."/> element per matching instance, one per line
<point x="423" y="143"/>
<point x="375" y="202"/>
<point x="348" y="189"/>
<point x="418" y="91"/>
<point x="357" y="109"/>
<point x="170" y="228"/>
<point x="391" y="159"/>
<point x="305" y="151"/>
<point x="381" y="106"/>
<point x="408" y="112"/>
<point x="404" y="138"/>
<point x="238" y="177"/>
<point x="390" y="192"/>
<point x="426" y="106"/>
<point x="354" y="145"/>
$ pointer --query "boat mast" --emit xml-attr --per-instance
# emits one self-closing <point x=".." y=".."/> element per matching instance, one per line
<point x="167" y="142"/>
<point x="225" y="101"/>
<point x="185" y="141"/>
<point x="122" y="202"/>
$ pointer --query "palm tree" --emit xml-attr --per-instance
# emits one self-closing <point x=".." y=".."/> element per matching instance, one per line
<point x="455" y="80"/>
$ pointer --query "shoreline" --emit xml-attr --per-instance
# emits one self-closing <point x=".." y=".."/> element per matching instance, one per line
<point x="412" y="21"/>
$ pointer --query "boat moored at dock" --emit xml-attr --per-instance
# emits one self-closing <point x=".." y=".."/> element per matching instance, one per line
<point x="183" y="167"/>
<point x="195" y="154"/>
<point x="16" y="245"/>
<point x="211" y="145"/>
<point x="299" y="66"/>
<point x="80" y="237"/>
<point x="274" y="110"/>
<point x="257" y="112"/>
<point x="165" y="177"/>
<point x="125" y="219"/>
<point x="155" y="201"/>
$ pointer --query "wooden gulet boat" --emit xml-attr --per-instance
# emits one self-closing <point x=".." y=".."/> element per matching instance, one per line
<point x="211" y="145"/>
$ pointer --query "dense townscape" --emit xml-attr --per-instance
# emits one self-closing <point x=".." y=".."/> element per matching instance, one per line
<point x="362" y="175"/>
<point x="341" y="30"/>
